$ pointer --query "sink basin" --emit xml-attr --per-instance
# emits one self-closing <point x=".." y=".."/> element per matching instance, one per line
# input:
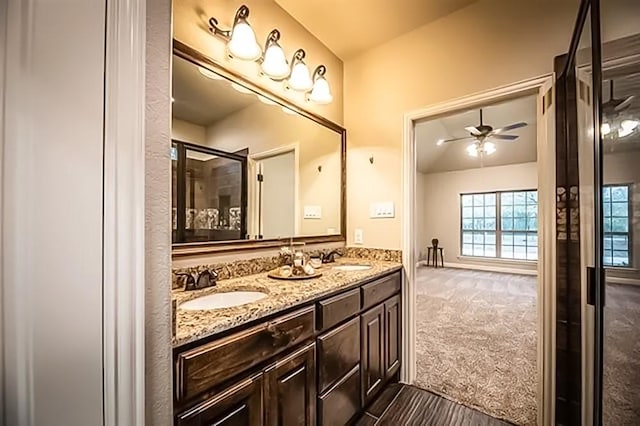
<point x="222" y="300"/>
<point x="352" y="268"/>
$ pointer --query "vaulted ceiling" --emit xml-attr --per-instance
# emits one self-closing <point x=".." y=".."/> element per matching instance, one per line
<point x="453" y="156"/>
<point x="349" y="27"/>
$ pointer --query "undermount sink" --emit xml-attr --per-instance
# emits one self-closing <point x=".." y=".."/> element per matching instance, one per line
<point x="352" y="268"/>
<point x="223" y="300"/>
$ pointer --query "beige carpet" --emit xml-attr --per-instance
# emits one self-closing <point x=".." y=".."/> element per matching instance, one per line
<point x="621" y="399"/>
<point x="476" y="340"/>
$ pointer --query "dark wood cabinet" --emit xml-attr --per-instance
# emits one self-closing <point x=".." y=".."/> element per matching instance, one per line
<point x="319" y="364"/>
<point x="239" y="405"/>
<point x="290" y="389"/>
<point x="372" y="346"/>
<point x="392" y="321"/>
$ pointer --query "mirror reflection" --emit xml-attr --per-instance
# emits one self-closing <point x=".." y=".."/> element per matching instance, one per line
<point x="247" y="167"/>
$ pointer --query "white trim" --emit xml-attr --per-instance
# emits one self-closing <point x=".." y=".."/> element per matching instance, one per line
<point x="546" y="287"/>
<point x="124" y="220"/>
<point x="486" y="268"/>
<point x="251" y="192"/>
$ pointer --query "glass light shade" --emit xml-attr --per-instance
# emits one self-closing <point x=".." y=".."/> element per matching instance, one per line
<point x="275" y="64"/>
<point x="440" y="142"/>
<point x="472" y="150"/>
<point x="489" y="148"/>
<point x="606" y="128"/>
<point x="300" y="78"/>
<point x="240" y="88"/>
<point x="243" y="43"/>
<point x="321" y="93"/>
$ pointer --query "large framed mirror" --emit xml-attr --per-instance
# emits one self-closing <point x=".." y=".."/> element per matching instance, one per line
<point x="250" y="169"/>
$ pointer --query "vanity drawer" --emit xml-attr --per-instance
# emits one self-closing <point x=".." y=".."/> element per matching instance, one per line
<point x="338" y="353"/>
<point x="201" y="368"/>
<point x="338" y="308"/>
<point x="380" y="290"/>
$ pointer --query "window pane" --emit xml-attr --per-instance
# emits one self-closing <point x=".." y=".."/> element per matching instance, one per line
<point x="490" y="211"/>
<point x="619" y="193"/>
<point x="489" y="224"/>
<point x="607" y="209"/>
<point x="507" y="252"/>
<point x="532" y="197"/>
<point x="506" y="211"/>
<point x="532" y="240"/>
<point x="490" y="238"/>
<point x="490" y="199"/>
<point x="467" y="223"/>
<point x="478" y="200"/>
<point x="619" y="225"/>
<point x="478" y="238"/>
<point x="619" y="242"/>
<point x="519" y="239"/>
<point x="607" y="225"/>
<point x="467" y="200"/>
<point x="467" y="212"/>
<point x="467" y="237"/>
<point x="520" y="224"/>
<point x="490" y="251"/>
<point x="507" y="239"/>
<point x="519" y="198"/>
<point x="478" y="224"/>
<point x="478" y="212"/>
<point x="619" y="209"/>
<point x="606" y="193"/>
<point x="519" y="252"/>
<point x="506" y="198"/>
<point x="532" y="253"/>
<point x="507" y="224"/>
<point x="478" y="250"/>
<point x="532" y="224"/>
<point x="519" y="211"/>
<point x="467" y="249"/>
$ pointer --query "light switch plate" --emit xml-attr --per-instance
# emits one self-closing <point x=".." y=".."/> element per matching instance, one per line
<point x="358" y="236"/>
<point x="380" y="210"/>
<point x="312" y="212"/>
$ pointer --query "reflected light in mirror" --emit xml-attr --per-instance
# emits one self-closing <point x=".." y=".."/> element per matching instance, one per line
<point x="243" y="44"/>
<point x="627" y="127"/>
<point x="606" y="129"/>
<point x="274" y="63"/>
<point x="241" y="89"/>
<point x="472" y="150"/>
<point x="288" y="111"/>
<point x="265" y="100"/>
<point x="321" y="93"/>
<point x="209" y="74"/>
<point x="440" y="142"/>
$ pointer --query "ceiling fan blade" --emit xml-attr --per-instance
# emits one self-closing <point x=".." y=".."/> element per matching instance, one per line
<point x="505" y="137"/>
<point x="454" y="139"/>
<point x="473" y="130"/>
<point x="509" y="127"/>
<point x="624" y="104"/>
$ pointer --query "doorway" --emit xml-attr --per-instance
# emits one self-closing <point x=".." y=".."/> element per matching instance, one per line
<point x="442" y="291"/>
<point x="273" y="193"/>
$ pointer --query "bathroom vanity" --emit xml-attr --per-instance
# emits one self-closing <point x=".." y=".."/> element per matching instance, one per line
<point x="313" y="352"/>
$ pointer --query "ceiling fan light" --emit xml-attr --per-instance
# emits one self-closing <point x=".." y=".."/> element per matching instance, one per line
<point x="629" y="125"/>
<point x="472" y="150"/>
<point x="243" y="44"/>
<point x="440" y="142"/>
<point x="606" y="129"/>
<point x="489" y="148"/>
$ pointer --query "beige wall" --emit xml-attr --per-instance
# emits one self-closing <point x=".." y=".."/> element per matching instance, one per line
<point x="262" y="128"/>
<point x="489" y="44"/>
<point x="185" y="131"/>
<point x="439" y="216"/>
<point x="191" y="27"/>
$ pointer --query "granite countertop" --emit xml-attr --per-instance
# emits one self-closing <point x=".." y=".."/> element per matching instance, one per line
<point x="194" y="325"/>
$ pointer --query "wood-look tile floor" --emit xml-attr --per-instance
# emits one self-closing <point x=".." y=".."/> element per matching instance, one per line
<point x="407" y="405"/>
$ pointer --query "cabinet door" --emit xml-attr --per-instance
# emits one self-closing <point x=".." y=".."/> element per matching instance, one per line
<point x="290" y="389"/>
<point x="392" y="335"/>
<point x="239" y="405"/>
<point x="372" y="351"/>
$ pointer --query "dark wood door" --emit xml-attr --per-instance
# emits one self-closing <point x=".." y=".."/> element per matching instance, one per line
<point x="239" y="405"/>
<point x="372" y="351"/>
<point x="290" y="389"/>
<point x="392" y="336"/>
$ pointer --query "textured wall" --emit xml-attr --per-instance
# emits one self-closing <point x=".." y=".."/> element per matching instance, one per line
<point x="158" y="387"/>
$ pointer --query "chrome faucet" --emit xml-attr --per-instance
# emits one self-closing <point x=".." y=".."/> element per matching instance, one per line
<point x="198" y="280"/>
<point x="330" y="257"/>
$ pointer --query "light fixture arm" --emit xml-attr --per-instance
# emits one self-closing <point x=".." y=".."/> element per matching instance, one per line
<point x="298" y="55"/>
<point x="273" y="37"/>
<point x="214" y="27"/>
<point x="320" y="71"/>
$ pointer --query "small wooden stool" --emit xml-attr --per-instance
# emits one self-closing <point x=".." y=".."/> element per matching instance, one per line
<point x="433" y="250"/>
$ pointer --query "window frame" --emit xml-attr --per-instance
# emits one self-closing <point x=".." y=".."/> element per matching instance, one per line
<point x="498" y="231"/>
<point x="628" y="234"/>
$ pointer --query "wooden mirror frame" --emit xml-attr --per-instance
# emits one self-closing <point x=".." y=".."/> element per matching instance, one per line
<point x="218" y="247"/>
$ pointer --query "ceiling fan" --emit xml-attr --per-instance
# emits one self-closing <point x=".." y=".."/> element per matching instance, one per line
<point x="611" y="111"/>
<point x="481" y="133"/>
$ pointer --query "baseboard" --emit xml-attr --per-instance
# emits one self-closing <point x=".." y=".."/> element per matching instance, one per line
<point x="487" y="268"/>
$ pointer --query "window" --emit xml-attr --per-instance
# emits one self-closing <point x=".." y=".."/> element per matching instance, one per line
<point x="513" y="234"/>
<point x="616" y="206"/>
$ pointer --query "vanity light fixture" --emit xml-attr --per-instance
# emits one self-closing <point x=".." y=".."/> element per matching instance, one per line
<point x="241" y="39"/>
<point x="320" y="93"/>
<point x="242" y="44"/>
<point x="274" y="64"/>
<point x="300" y="78"/>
